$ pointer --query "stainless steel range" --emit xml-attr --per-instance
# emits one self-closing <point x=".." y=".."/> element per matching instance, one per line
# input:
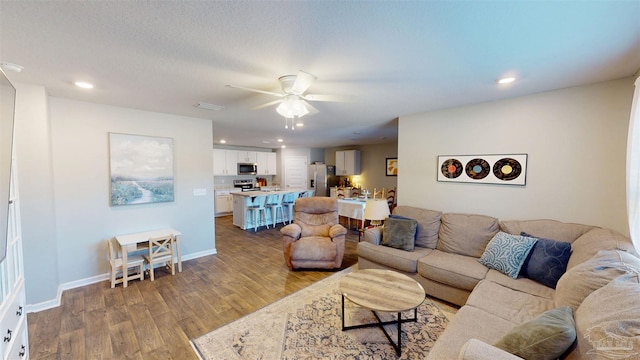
<point x="245" y="184"/>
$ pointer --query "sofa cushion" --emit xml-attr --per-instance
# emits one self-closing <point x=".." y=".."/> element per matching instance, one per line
<point x="550" y="229"/>
<point x="462" y="272"/>
<point x="399" y="233"/>
<point x="547" y="261"/>
<point x="608" y="321"/>
<point x="546" y="337"/>
<point x="587" y="245"/>
<point x="506" y="303"/>
<point x="475" y="349"/>
<point x="521" y="284"/>
<point x="577" y="283"/>
<point x="428" y="224"/>
<point x="506" y="253"/>
<point x="398" y="259"/>
<point x="469" y="323"/>
<point x="466" y="234"/>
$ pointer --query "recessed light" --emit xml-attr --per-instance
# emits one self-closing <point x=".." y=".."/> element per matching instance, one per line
<point x="223" y="141"/>
<point x="299" y="124"/>
<point x="283" y="146"/>
<point x="280" y="140"/>
<point x="84" y="85"/>
<point x="506" y="80"/>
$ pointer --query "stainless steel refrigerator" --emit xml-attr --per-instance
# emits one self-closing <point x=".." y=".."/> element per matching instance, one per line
<point x="321" y="178"/>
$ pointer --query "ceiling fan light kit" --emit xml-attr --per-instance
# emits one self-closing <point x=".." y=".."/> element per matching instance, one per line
<point x="292" y="103"/>
<point x="291" y="106"/>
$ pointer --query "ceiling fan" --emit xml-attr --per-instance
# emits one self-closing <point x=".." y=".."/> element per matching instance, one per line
<point x="293" y="100"/>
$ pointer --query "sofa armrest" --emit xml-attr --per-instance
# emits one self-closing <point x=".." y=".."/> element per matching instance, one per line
<point x="373" y="235"/>
<point x="337" y="230"/>
<point x="475" y="349"/>
<point x="292" y="230"/>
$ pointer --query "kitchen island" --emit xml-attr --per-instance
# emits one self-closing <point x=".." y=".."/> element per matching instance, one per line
<point x="241" y="200"/>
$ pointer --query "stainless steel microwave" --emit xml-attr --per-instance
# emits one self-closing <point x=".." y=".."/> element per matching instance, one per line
<point x="247" y="169"/>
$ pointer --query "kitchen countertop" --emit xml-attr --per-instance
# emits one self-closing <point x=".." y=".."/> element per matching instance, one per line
<point x="264" y="193"/>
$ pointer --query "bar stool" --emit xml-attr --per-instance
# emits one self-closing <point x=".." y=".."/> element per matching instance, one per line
<point x="273" y="203"/>
<point x="256" y="204"/>
<point x="288" y="201"/>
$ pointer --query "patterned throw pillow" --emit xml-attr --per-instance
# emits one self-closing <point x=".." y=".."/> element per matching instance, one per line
<point x="547" y="261"/>
<point x="506" y="253"/>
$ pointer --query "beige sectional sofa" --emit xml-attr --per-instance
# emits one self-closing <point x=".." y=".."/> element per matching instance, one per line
<point x="601" y="286"/>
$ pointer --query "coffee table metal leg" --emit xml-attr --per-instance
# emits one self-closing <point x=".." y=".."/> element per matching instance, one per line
<point x="397" y="346"/>
<point x="343" y="313"/>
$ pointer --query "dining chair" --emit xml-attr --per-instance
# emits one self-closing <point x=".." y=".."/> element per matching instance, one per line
<point x="391" y="198"/>
<point x="274" y="203"/>
<point x="133" y="262"/>
<point x="340" y="193"/>
<point x="289" y="201"/>
<point x="355" y="192"/>
<point x="160" y="251"/>
<point x="379" y="194"/>
<point x="256" y="210"/>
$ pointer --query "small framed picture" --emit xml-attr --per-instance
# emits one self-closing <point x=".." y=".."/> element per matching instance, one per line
<point x="392" y="167"/>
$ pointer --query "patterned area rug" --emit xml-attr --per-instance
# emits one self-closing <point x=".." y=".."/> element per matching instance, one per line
<point x="307" y="325"/>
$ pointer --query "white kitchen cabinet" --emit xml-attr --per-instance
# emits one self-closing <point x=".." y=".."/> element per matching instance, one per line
<point x="223" y="202"/>
<point x="225" y="162"/>
<point x="347" y="162"/>
<point x="13" y="315"/>
<point x="247" y="157"/>
<point x="266" y="163"/>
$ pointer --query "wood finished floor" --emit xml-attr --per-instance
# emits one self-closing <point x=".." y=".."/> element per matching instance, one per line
<point x="155" y="320"/>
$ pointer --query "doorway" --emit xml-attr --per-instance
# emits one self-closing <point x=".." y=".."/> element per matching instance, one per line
<point x="295" y="172"/>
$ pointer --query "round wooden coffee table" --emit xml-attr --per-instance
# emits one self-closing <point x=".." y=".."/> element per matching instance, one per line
<point x="382" y="290"/>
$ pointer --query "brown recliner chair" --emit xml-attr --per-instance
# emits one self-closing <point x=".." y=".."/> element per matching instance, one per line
<point x="315" y="239"/>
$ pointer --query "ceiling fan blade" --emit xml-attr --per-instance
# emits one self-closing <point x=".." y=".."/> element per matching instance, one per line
<point x="302" y="83"/>
<point x="317" y="97"/>
<point x="312" y="110"/>
<point x="256" y="90"/>
<point x="267" y="104"/>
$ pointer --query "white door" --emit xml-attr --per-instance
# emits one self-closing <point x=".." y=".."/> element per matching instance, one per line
<point x="295" y="172"/>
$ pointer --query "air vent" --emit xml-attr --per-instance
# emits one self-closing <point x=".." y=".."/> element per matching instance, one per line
<point x="208" y="106"/>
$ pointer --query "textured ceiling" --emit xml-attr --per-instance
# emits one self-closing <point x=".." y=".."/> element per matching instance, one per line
<point x="389" y="58"/>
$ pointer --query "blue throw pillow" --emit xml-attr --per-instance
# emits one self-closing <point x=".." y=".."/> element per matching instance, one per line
<point x="547" y="261"/>
<point x="506" y="253"/>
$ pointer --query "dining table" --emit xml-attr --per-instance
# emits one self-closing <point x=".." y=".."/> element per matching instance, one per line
<point x="353" y="208"/>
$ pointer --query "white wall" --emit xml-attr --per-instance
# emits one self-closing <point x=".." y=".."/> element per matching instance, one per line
<point x="575" y="139"/>
<point x="81" y="172"/>
<point x="35" y="179"/>
<point x="63" y="164"/>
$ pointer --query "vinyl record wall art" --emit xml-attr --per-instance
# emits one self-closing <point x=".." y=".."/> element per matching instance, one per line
<point x="485" y="169"/>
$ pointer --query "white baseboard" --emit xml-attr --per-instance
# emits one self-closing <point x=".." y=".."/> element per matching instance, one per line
<point x="50" y="304"/>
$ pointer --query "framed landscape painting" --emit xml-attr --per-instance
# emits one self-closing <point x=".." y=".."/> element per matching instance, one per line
<point x="141" y="169"/>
